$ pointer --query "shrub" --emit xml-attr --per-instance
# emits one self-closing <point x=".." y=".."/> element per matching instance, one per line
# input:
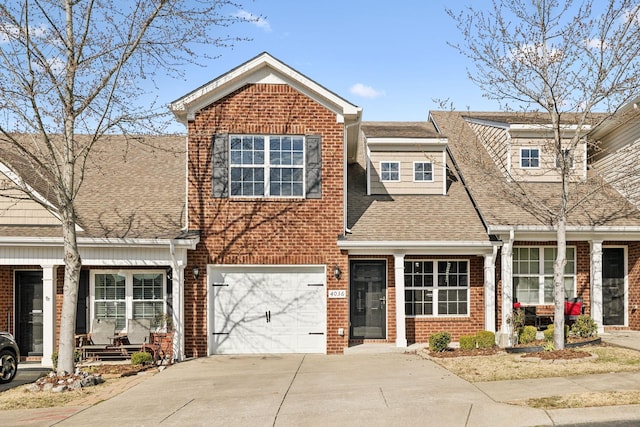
<point x="439" y="341"/>
<point x="468" y="342"/>
<point x="548" y="346"/>
<point x="528" y="334"/>
<point x="141" y="358"/>
<point x="584" y="327"/>
<point x="486" y="339"/>
<point x="548" y="333"/>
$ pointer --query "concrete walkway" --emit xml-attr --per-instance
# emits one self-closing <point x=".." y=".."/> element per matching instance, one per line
<point x="357" y="389"/>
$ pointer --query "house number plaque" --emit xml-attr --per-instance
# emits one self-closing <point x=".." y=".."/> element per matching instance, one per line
<point x="337" y="293"/>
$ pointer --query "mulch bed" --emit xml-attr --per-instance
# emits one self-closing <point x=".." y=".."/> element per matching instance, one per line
<point x="456" y="352"/>
<point x="566" y="354"/>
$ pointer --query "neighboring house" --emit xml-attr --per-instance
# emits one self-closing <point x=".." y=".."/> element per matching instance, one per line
<point x="302" y="229"/>
<point x="132" y="240"/>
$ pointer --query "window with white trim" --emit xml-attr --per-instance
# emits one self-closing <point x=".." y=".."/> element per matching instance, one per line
<point x="390" y="171"/>
<point x="267" y="165"/>
<point x="422" y="171"/>
<point x="530" y="157"/>
<point x="533" y="274"/>
<point x="566" y="156"/>
<point x="128" y="295"/>
<point x="436" y="288"/>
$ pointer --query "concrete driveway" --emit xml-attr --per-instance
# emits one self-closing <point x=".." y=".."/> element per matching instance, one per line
<point x="27" y="373"/>
<point x="311" y="390"/>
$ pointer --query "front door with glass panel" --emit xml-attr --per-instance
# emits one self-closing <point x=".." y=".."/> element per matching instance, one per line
<point x="29" y="312"/>
<point x="368" y="299"/>
<point x="613" y="289"/>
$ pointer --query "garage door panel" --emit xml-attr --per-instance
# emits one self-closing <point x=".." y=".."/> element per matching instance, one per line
<point x="268" y="309"/>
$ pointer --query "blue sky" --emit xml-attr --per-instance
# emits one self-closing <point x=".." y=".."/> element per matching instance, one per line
<point x="390" y="58"/>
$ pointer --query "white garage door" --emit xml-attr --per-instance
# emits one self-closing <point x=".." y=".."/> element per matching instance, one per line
<point x="267" y="309"/>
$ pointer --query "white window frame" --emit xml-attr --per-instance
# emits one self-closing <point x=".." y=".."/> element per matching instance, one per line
<point x="529" y="158"/>
<point x="566" y="153"/>
<point x="435" y="288"/>
<point x="387" y="162"/>
<point x="414" y="171"/>
<point x="267" y="166"/>
<point x="129" y="301"/>
<point x="541" y="275"/>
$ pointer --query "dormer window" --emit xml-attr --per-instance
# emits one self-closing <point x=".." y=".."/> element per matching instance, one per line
<point x="423" y="171"/>
<point x="390" y="171"/>
<point x="530" y="157"/>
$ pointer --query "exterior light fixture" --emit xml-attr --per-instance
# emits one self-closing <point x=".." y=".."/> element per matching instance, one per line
<point x="196" y="272"/>
<point x="337" y="273"/>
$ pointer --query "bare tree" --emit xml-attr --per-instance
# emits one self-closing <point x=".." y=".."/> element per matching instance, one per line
<point x="567" y="60"/>
<point x="71" y="73"/>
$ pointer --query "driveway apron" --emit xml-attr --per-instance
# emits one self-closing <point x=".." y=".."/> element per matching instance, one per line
<point x="291" y="390"/>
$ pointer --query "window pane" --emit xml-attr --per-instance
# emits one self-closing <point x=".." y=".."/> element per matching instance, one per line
<point x="526" y="289"/>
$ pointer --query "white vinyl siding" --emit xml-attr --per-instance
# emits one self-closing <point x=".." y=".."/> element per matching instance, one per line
<point x="407" y="183"/>
<point x="524" y="168"/>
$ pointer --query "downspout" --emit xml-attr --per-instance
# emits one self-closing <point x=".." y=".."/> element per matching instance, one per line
<point x="177" y="276"/>
<point x="345" y="174"/>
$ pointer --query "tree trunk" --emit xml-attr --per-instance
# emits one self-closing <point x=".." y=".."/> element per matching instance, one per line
<point x="558" y="285"/>
<point x="72" y="261"/>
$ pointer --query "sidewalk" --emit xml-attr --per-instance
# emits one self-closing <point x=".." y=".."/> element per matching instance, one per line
<point x="360" y="388"/>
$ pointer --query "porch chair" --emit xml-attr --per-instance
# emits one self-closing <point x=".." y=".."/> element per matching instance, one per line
<point x="101" y="336"/>
<point x="138" y="332"/>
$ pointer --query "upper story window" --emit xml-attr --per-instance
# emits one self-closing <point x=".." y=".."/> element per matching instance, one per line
<point x="566" y="156"/>
<point x="422" y="171"/>
<point x="390" y="171"/>
<point x="257" y="171"/>
<point x="266" y="166"/>
<point x="530" y="157"/>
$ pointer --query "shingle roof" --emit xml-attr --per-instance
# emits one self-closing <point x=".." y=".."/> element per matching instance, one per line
<point x="399" y="130"/>
<point x="529" y="118"/>
<point x="133" y="187"/>
<point x="522" y="203"/>
<point x="409" y="217"/>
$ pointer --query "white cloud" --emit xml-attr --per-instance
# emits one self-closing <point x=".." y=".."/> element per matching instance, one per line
<point x="258" y="21"/>
<point x="365" y="91"/>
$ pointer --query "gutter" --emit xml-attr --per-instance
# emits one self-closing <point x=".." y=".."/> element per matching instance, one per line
<point x="189" y="243"/>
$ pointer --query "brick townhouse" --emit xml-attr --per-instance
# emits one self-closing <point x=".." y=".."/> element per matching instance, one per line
<point x="284" y="223"/>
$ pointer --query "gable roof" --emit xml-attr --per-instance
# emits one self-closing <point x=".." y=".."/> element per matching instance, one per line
<point x="423" y="222"/>
<point x="263" y="68"/>
<point x="505" y="204"/>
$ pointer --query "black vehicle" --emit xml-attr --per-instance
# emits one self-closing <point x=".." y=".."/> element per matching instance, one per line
<point x="9" y="356"/>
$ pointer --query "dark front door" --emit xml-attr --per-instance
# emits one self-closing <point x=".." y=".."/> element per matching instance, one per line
<point x="368" y="299"/>
<point x="29" y="312"/>
<point x="613" y="269"/>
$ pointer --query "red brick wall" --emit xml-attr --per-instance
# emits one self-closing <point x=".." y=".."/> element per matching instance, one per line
<point x="6" y="299"/>
<point x="420" y="328"/>
<point x="634" y="284"/>
<point x="264" y="231"/>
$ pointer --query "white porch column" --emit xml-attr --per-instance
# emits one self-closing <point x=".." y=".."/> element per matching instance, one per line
<point x="596" y="284"/>
<point x="48" y="313"/>
<point x="490" y="290"/>
<point x="507" y="283"/>
<point x="401" y="329"/>
<point x="177" y="286"/>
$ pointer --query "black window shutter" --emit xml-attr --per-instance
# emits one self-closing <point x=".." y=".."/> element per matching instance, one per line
<point x="220" y="165"/>
<point x="314" y="167"/>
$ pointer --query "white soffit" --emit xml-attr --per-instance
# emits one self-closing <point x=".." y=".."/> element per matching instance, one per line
<point x="262" y="69"/>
